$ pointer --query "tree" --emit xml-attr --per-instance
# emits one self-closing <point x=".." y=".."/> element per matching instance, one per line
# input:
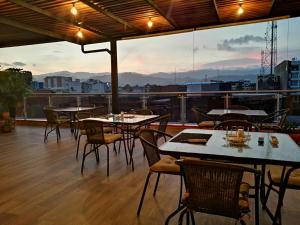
<point x="14" y="86"/>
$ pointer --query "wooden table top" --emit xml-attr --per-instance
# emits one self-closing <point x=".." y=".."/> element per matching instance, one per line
<point x="248" y="112"/>
<point x="287" y="152"/>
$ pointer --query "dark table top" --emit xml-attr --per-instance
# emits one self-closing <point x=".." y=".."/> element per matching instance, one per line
<point x="248" y="112"/>
<point x="73" y="109"/>
<point x="287" y="152"/>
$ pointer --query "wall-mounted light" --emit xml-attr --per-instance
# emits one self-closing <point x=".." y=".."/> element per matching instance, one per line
<point x="149" y="23"/>
<point x="240" y="10"/>
<point x="79" y="34"/>
<point x="74" y="10"/>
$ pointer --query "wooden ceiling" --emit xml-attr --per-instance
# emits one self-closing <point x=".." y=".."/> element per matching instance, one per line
<point x="25" y="22"/>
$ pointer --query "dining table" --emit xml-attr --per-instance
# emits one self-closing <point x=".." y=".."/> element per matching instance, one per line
<point x="72" y="111"/>
<point x="129" y="124"/>
<point x="257" y="148"/>
<point x="248" y="112"/>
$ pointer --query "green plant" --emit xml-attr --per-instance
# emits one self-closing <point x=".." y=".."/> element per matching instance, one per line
<point x="14" y="86"/>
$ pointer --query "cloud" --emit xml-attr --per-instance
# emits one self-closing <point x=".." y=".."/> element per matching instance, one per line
<point x="5" y="64"/>
<point x="57" y="51"/>
<point x="232" y="63"/>
<point x="18" y="64"/>
<point x="228" y="44"/>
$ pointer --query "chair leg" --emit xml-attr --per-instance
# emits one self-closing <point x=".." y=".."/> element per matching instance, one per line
<point x="83" y="158"/>
<point x="78" y="143"/>
<point x="107" y="170"/>
<point x="144" y="192"/>
<point x="180" y="220"/>
<point x="173" y="214"/>
<point x="57" y="133"/>
<point x="45" y="134"/>
<point x="156" y="185"/>
<point x="96" y="153"/>
<point x="193" y="218"/>
<point x="187" y="217"/>
<point x="125" y="149"/>
<point x="180" y="191"/>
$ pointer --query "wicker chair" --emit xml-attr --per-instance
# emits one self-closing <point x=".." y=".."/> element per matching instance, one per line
<point x="275" y="174"/>
<point x="164" y="165"/>
<point x="203" y="120"/>
<point x="96" y="138"/>
<point x="233" y="116"/>
<point x="54" y="121"/>
<point x="278" y="116"/>
<point x="141" y="111"/>
<point x="235" y="124"/>
<point x="80" y="127"/>
<point x="215" y="188"/>
<point x="162" y="126"/>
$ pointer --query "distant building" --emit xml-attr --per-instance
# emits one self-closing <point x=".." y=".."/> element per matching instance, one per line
<point x="73" y="86"/>
<point x="93" y="86"/>
<point x="289" y="74"/>
<point x="208" y="86"/>
<point x="57" y="83"/>
<point x="37" y="85"/>
<point x="268" y="82"/>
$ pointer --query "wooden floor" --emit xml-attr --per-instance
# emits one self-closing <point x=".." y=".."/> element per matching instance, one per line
<point x="41" y="184"/>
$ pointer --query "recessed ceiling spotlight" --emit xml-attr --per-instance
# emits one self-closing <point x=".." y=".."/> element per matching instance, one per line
<point x="240" y="10"/>
<point x="74" y="10"/>
<point x="149" y="23"/>
<point x="79" y="34"/>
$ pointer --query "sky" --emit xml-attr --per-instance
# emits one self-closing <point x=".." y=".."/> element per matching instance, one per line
<point x="222" y="48"/>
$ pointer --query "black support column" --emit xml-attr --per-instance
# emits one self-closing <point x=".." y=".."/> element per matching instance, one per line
<point x="114" y="76"/>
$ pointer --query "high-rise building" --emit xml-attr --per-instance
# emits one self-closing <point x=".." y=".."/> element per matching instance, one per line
<point x="289" y="74"/>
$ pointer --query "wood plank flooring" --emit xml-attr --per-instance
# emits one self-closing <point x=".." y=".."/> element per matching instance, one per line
<point x="41" y="184"/>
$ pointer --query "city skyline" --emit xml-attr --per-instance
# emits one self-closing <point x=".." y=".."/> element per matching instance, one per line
<point x="222" y="48"/>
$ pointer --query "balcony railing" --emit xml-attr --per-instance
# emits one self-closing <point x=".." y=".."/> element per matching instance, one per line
<point x="178" y="104"/>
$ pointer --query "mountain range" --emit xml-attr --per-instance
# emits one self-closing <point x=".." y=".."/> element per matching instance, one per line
<point x="162" y="78"/>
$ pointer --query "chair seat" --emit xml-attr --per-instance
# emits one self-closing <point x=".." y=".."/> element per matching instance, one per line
<point x="275" y="173"/>
<point x="108" y="138"/>
<point x="165" y="165"/>
<point x="270" y="126"/>
<point x="62" y="120"/>
<point x="105" y="130"/>
<point x="208" y="124"/>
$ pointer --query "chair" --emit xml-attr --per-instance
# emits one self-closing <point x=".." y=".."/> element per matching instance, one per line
<point x="235" y="124"/>
<point x="233" y="116"/>
<point x="54" y="121"/>
<point x="241" y="107"/>
<point x="215" y="188"/>
<point x="141" y="111"/>
<point x="162" y="126"/>
<point x="274" y="121"/>
<point x="80" y="128"/>
<point x="98" y="111"/>
<point x="96" y="138"/>
<point x="157" y="164"/>
<point x="204" y="121"/>
<point x="275" y="174"/>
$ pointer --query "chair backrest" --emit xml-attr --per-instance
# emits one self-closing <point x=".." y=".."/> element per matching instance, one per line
<point x="142" y="111"/>
<point x="148" y="140"/>
<point x="50" y="115"/>
<point x="236" y="124"/>
<point x="82" y="115"/>
<point x="233" y="116"/>
<point x="92" y="128"/>
<point x="212" y="187"/>
<point x="242" y="107"/>
<point x="98" y="111"/>
<point x="163" y="122"/>
<point x="200" y="115"/>
<point x="279" y="116"/>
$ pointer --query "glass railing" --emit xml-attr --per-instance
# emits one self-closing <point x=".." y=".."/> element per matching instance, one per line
<point x="178" y="104"/>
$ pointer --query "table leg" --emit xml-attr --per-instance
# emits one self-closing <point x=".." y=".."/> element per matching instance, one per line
<point x="262" y="186"/>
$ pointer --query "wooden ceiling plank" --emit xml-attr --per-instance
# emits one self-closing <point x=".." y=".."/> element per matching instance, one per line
<point x="111" y="15"/>
<point x="34" y="29"/>
<point x="60" y="19"/>
<point x="217" y="10"/>
<point x="162" y="13"/>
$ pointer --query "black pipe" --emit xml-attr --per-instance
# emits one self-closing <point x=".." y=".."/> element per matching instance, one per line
<point x="94" y="51"/>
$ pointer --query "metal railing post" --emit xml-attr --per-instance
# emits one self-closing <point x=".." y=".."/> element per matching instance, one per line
<point x="49" y="101"/>
<point x="109" y="106"/>
<point x="182" y="109"/>
<point x="78" y="99"/>
<point x="144" y="102"/>
<point x="226" y="101"/>
<point x="25" y="108"/>
<point x="277" y="102"/>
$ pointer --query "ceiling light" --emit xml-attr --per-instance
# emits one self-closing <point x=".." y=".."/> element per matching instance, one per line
<point x="74" y="10"/>
<point x="150" y="23"/>
<point x="79" y="34"/>
<point x="240" y="10"/>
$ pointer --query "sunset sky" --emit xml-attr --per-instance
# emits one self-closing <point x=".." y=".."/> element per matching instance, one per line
<point x="231" y="47"/>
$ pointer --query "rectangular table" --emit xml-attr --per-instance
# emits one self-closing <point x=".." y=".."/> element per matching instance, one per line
<point x="248" y="112"/>
<point x="72" y="111"/>
<point x="126" y="124"/>
<point x="286" y="153"/>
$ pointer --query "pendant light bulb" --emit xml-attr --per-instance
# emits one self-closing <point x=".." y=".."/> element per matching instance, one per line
<point x="79" y="34"/>
<point x="74" y="10"/>
<point x="240" y="10"/>
<point x="149" y="23"/>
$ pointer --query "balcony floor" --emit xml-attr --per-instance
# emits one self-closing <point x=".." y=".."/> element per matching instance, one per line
<point x="41" y="184"/>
